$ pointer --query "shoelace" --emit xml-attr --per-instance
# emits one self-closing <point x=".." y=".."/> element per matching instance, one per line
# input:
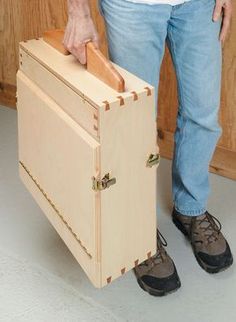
<point x="161" y="238"/>
<point x="159" y="256"/>
<point x="212" y="230"/>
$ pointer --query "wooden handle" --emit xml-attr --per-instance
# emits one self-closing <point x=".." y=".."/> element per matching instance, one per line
<point x="97" y="63"/>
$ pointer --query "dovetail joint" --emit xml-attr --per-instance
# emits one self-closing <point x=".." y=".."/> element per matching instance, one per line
<point x="149" y="254"/>
<point x="56" y="210"/>
<point x="135" y="95"/>
<point x="109" y="280"/>
<point x="122" y="101"/>
<point x="149" y="92"/>
<point x="107" y="105"/>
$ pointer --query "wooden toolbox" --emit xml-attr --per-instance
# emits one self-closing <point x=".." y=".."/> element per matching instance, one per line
<point x="88" y="155"/>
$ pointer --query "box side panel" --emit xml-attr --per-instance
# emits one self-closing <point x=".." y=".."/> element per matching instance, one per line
<point x="60" y="157"/>
<point x="128" y="223"/>
<point x="73" y="104"/>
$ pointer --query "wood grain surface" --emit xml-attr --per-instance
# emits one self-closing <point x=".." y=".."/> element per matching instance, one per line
<point x="97" y="63"/>
<point x="21" y="20"/>
<point x="102" y="222"/>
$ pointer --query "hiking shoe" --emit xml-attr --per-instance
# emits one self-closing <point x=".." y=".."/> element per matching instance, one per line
<point x="158" y="275"/>
<point x="210" y="248"/>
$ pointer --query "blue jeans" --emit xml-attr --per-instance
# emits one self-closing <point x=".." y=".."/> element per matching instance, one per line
<point x="136" y="41"/>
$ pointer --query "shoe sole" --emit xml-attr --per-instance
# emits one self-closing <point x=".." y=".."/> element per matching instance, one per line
<point x="155" y="292"/>
<point x="208" y="268"/>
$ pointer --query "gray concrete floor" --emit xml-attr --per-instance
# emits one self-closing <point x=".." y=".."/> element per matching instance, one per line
<point x="41" y="281"/>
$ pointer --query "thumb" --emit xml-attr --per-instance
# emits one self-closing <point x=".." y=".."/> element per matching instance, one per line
<point x="217" y="10"/>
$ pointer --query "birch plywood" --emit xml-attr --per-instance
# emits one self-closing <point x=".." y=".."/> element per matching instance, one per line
<point x="85" y="261"/>
<point x="115" y="227"/>
<point x="74" y="105"/>
<point x="50" y="148"/>
<point x="69" y="71"/>
<point x="127" y="138"/>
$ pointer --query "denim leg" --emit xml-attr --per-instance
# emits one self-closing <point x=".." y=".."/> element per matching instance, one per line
<point x="136" y="36"/>
<point x="196" y="53"/>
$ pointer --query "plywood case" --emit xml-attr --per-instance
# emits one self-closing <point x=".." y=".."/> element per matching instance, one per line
<point x="83" y="155"/>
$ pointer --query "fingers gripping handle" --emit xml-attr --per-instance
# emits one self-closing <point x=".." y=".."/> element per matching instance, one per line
<point x="97" y="63"/>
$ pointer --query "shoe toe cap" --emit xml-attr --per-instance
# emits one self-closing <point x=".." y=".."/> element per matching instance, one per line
<point x="166" y="284"/>
<point x="221" y="260"/>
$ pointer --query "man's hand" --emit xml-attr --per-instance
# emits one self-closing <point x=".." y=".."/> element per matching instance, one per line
<point x="224" y="7"/>
<point x="80" y="29"/>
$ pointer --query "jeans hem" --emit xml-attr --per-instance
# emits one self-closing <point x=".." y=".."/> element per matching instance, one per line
<point x="191" y="212"/>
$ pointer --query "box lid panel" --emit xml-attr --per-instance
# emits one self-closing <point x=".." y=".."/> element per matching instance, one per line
<point x="62" y="158"/>
<point x="72" y="73"/>
<point x="85" y="114"/>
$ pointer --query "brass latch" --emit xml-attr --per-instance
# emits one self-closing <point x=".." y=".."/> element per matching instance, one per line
<point x="153" y="159"/>
<point x="104" y="183"/>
